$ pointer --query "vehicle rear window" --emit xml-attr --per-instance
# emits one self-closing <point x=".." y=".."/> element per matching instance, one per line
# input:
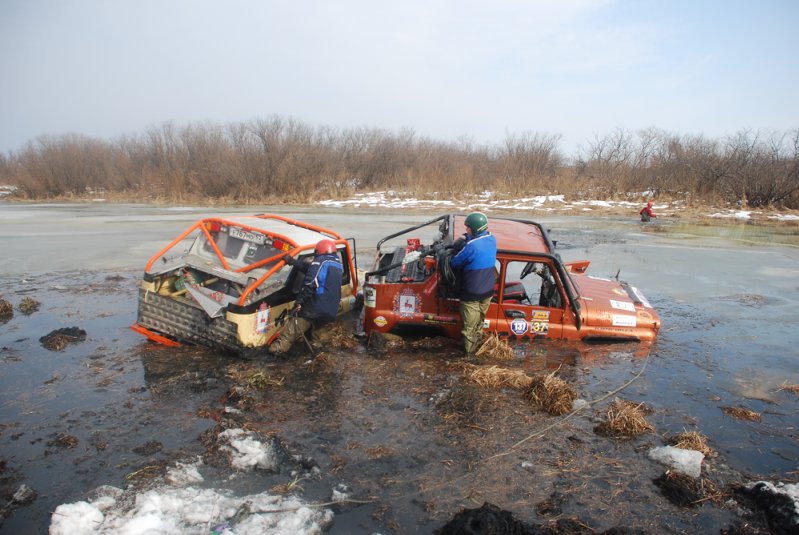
<point x="233" y="248"/>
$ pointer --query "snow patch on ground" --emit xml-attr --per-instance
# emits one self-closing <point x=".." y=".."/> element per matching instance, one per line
<point x="6" y="190"/>
<point x="191" y="510"/>
<point x="688" y="462"/>
<point x="736" y="214"/>
<point x="246" y="452"/>
<point x="175" y="506"/>
<point x="784" y="217"/>
<point x="392" y="199"/>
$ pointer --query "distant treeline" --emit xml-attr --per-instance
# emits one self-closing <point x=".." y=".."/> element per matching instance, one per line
<point x="284" y="160"/>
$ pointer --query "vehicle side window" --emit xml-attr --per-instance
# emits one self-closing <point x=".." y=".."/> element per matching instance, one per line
<point x="531" y="283"/>
<point x="520" y="290"/>
<point x="345" y="262"/>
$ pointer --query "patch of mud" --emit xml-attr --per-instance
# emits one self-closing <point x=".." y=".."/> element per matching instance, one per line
<point x="148" y="448"/>
<point x="489" y="519"/>
<point x="687" y="491"/>
<point x="28" y="305"/>
<point x="749" y="300"/>
<point x="61" y="338"/>
<point x="778" y="503"/>
<point x="6" y="311"/>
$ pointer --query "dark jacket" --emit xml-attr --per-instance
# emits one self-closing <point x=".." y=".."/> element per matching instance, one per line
<point x="320" y="295"/>
<point x="477" y="261"/>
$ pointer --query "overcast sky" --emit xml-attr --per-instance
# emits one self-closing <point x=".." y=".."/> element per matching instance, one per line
<point x="445" y="69"/>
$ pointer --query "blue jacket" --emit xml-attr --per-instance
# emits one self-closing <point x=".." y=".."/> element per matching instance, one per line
<point x="477" y="261"/>
<point x="320" y="294"/>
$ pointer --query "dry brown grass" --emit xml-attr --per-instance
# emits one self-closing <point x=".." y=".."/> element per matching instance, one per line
<point x="625" y="419"/>
<point x="496" y="377"/>
<point x="338" y="336"/>
<point x="378" y="452"/>
<point x="692" y="440"/>
<point x="252" y="377"/>
<point x="6" y="309"/>
<point x="495" y="348"/>
<point x="686" y="491"/>
<point x="322" y="361"/>
<point x="28" y="305"/>
<point x="789" y="388"/>
<point x="742" y="413"/>
<point x="551" y="394"/>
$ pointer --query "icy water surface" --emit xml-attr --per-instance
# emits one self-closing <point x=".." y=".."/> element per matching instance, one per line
<point x="397" y="428"/>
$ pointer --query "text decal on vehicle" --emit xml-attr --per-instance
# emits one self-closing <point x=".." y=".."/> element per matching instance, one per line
<point x="620" y="320"/>
<point x="253" y="237"/>
<point x="262" y="319"/>
<point x="518" y="326"/>
<point x="369" y="297"/>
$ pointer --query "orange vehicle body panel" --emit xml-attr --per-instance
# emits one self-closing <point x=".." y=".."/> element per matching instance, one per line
<point x="571" y="305"/>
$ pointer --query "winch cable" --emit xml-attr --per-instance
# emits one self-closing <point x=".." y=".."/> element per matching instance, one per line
<point x="443" y="484"/>
<point x="542" y="432"/>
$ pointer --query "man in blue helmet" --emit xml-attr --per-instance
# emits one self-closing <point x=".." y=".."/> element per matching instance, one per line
<point x="319" y="298"/>
<point x="476" y="261"/>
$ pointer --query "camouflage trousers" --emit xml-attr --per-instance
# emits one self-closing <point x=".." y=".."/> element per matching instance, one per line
<point x="294" y="330"/>
<point x="473" y="314"/>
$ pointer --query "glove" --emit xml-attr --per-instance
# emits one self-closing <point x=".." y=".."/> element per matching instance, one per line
<point x="459" y="243"/>
<point x="296" y="310"/>
<point x="288" y="259"/>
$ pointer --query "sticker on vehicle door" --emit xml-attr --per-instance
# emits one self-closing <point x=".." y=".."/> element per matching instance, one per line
<point x="541" y="315"/>
<point x="518" y="326"/>
<point x="369" y="297"/>
<point x="407" y="302"/>
<point x="539" y="327"/>
<point x="380" y="321"/>
<point x="262" y="319"/>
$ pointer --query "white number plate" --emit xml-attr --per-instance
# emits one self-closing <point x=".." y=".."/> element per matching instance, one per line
<point x="253" y="237"/>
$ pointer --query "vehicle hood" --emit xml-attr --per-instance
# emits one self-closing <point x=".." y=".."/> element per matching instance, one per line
<point x="614" y="303"/>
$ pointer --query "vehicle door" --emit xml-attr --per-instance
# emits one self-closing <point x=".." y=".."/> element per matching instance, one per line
<point x="529" y="299"/>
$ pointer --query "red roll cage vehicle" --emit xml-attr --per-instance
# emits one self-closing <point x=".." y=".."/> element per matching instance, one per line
<point x="230" y="288"/>
<point x="412" y="288"/>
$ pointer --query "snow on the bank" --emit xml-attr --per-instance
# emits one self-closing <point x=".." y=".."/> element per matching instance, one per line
<point x="784" y="217"/>
<point x="393" y="199"/>
<point x="175" y="506"/>
<point x="688" y="462"/>
<point x="246" y="452"/>
<point x="737" y="214"/>
<point x="6" y="190"/>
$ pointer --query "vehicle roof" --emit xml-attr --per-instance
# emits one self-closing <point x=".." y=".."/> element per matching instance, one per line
<point x="511" y="234"/>
<point x="302" y="235"/>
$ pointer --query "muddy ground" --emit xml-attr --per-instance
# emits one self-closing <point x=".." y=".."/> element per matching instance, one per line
<point x="399" y="429"/>
<point x="399" y="426"/>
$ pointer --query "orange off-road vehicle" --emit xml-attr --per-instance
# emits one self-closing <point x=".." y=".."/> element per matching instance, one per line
<point x="231" y="288"/>
<point x="412" y="288"/>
